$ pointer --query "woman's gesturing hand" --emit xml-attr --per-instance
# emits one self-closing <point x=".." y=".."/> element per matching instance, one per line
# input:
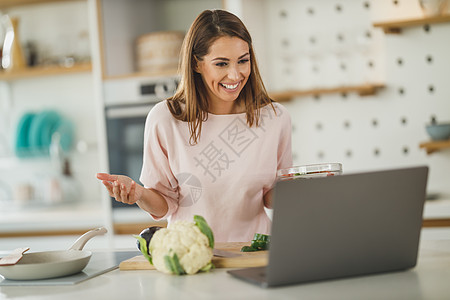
<point x="122" y="188"/>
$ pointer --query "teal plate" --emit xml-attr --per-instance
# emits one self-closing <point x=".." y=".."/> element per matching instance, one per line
<point x="66" y="131"/>
<point x="48" y="128"/>
<point x="41" y="130"/>
<point x="23" y="128"/>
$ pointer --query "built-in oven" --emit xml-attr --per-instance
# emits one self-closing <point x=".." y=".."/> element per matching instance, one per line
<point x="127" y="103"/>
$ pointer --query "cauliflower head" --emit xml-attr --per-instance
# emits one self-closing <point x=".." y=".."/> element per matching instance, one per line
<point x="182" y="248"/>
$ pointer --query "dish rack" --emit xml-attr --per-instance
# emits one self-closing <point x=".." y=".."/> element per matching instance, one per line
<point x="38" y="133"/>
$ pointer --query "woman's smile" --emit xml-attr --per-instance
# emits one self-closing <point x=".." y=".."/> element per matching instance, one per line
<point x="230" y="87"/>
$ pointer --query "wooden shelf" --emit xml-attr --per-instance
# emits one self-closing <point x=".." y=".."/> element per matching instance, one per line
<point x="397" y="25"/>
<point x="43" y="71"/>
<point x="12" y="3"/>
<point x="362" y="90"/>
<point x="434" y="146"/>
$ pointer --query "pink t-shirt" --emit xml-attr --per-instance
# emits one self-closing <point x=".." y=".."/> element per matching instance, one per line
<point x="222" y="178"/>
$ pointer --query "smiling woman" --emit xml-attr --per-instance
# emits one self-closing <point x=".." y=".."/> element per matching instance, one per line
<point x="214" y="148"/>
<point x="219" y="38"/>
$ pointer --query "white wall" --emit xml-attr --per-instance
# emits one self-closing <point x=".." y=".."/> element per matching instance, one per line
<point x="363" y="133"/>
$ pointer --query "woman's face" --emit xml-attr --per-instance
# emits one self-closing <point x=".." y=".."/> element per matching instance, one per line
<point x="225" y="71"/>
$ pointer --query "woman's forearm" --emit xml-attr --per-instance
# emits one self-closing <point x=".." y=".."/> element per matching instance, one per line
<point x="153" y="202"/>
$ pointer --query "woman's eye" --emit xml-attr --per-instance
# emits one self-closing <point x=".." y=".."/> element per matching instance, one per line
<point x="221" y="64"/>
<point x="243" y="61"/>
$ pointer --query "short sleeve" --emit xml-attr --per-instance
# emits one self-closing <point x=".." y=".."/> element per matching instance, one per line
<point x="156" y="172"/>
<point x="285" y="139"/>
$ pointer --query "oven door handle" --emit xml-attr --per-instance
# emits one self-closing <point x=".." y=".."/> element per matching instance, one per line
<point x="127" y="112"/>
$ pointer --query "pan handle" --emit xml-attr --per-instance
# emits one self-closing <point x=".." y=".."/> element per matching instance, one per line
<point x="82" y="240"/>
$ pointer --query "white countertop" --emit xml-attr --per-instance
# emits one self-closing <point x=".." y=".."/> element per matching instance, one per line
<point x="428" y="280"/>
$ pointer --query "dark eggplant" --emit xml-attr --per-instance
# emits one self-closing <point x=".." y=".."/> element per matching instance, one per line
<point x="147" y="234"/>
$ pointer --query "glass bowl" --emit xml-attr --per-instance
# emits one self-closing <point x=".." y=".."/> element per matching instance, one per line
<point x="310" y="171"/>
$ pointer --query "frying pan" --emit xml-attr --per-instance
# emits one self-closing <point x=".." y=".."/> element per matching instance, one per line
<point x="51" y="264"/>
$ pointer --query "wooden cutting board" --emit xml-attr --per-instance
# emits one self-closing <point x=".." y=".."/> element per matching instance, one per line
<point x="243" y="260"/>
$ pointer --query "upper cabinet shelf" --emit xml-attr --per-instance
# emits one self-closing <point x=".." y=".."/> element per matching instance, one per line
<point x="40" y="71"/>
<point x="362" y="90"/>
<point x="397" y="25"/>
<point x="12" y="3"/>
<point x="65" y="50"/>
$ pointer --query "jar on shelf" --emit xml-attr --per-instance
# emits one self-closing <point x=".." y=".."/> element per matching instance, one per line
<point x="12" y="54"/>
<point x="159" y="51"/>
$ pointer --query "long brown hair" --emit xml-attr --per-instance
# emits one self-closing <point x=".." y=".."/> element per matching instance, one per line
<point x="190" y="104"/>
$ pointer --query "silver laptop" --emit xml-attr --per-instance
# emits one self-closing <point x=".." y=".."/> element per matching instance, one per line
<point x="342" y="226"/>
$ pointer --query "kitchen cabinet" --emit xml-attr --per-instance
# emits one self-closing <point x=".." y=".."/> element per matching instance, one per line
<point x="59" y="28"/>
<point x="114" y="26"/>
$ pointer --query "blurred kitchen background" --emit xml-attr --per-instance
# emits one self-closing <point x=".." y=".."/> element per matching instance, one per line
<point x="362" y="80"/>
